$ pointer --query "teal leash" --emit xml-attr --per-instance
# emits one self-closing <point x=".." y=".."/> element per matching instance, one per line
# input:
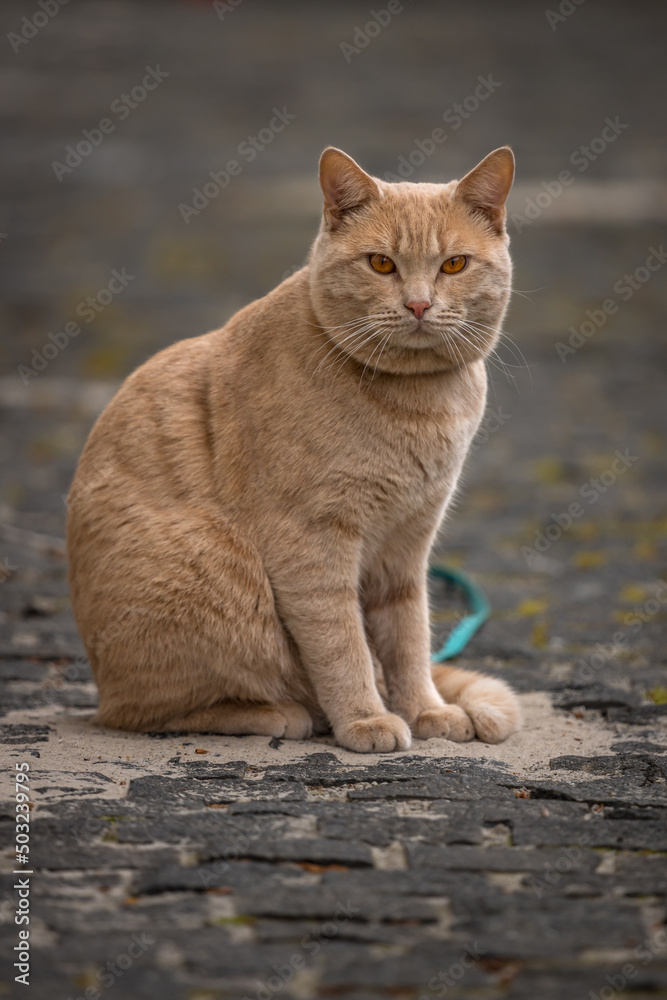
<point x="479" y="611"/>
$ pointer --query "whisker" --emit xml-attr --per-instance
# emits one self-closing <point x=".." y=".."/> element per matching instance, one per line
<point x="453" y="347"/>
<point x="509" y="343"/>
<point x="351" y="322"/>
<point x="501" y="365"/>
<point x="357" y="345"/>
<point x="511" y="346"/>
<point x="523" y="292"/>
<point x="383" y="343"/>
<point x="339" y="344"/>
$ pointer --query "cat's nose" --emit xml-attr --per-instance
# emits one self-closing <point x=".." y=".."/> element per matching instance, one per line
<point x="418" y="308"/>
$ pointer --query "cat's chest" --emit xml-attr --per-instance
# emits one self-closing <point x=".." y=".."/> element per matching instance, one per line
<point x="405" y="470"/>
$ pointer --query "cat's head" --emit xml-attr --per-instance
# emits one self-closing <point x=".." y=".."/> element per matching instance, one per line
<point x="412" y="277"/>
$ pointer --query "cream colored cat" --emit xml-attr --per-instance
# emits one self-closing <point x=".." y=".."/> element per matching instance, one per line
<point x="251" y="518"/>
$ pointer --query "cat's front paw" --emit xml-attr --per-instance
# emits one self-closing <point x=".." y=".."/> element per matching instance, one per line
<point x="449" y="723"/>
<point x="379" y="734"/>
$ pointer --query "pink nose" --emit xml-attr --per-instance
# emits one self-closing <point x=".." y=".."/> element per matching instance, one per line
<point x="418" y="308"/>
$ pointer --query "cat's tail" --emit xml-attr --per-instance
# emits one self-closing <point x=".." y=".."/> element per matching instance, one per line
<point x="491" y="704"/>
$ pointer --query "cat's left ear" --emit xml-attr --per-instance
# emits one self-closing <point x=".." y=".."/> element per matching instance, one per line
<point x="344" y="184"/>
<point x="486" y="187"/>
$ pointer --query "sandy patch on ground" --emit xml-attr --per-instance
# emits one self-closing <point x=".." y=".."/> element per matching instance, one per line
<point x="77" y="749"/>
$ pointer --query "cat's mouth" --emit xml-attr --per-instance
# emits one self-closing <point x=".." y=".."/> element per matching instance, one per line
<point x="421" y="328"/>
<point x="421" y="334"/>
<point x="450" y="339"/>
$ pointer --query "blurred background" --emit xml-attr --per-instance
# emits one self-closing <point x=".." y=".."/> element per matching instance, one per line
<point x="160" y="164"/>
<point x="552" y="80"/>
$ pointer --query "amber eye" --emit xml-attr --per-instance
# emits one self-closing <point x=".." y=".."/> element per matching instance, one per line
<point x="381" y="264"/>
<point x="454" y="264"/>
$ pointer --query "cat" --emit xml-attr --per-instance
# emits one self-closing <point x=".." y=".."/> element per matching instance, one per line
<point x="251" y="518"/>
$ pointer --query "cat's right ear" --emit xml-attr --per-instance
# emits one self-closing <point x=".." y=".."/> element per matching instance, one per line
<point x="344" y="184"/>
<point x="485" y="188"/>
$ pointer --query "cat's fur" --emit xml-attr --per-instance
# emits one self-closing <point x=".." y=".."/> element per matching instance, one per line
<point x="251" y="518"/>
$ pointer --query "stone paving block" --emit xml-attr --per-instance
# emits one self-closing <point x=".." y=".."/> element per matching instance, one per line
<point x="102" y="856"/>
<point x="209" y="770"/>
<point x="66" y="916"/>
<point x="46" y="980"/>
<point x="642" y="865"/>
<point x="19" y="670"/>
<point x="419" y="882"/>
<point x="325" y="903"/>
<point x="402" y="934"/>
<point x="610" y="792"/>
<point x="197" y="828"/>
<point x="639" y="885"/>
<point x="426" y="963"/>
<point x="246" y="876"/>
<point x="318" y="850"/>
<point x="381" y="823"/>
<point x="523" y="926"/>
<point x="639" y="768"/>
<point x="619" y="834"/>
<point x="22" y="734"/>
<point x="510" y="859"/>
<point x="434" y="787"/>
<point x="563" y="983"/>
<point x="210" y="790"/>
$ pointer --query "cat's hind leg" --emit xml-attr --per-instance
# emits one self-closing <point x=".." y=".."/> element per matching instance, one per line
<point x="178" y="617"/>
<point x="287" y="720"/>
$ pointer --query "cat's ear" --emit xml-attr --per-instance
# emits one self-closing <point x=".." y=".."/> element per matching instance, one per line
<point x="344" y="184"/>
<point x="486" y="187"/>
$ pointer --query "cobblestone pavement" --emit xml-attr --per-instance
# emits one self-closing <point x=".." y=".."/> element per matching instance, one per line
<point x="215" y="868"/>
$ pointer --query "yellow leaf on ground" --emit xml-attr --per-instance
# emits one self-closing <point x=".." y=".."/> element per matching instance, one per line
<point x="589" y="560"/>
<point x="549" y="470"/>
<point x="532" y="606"/>
<point x="540" y="636"/>
<point x="632" y="593"/>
